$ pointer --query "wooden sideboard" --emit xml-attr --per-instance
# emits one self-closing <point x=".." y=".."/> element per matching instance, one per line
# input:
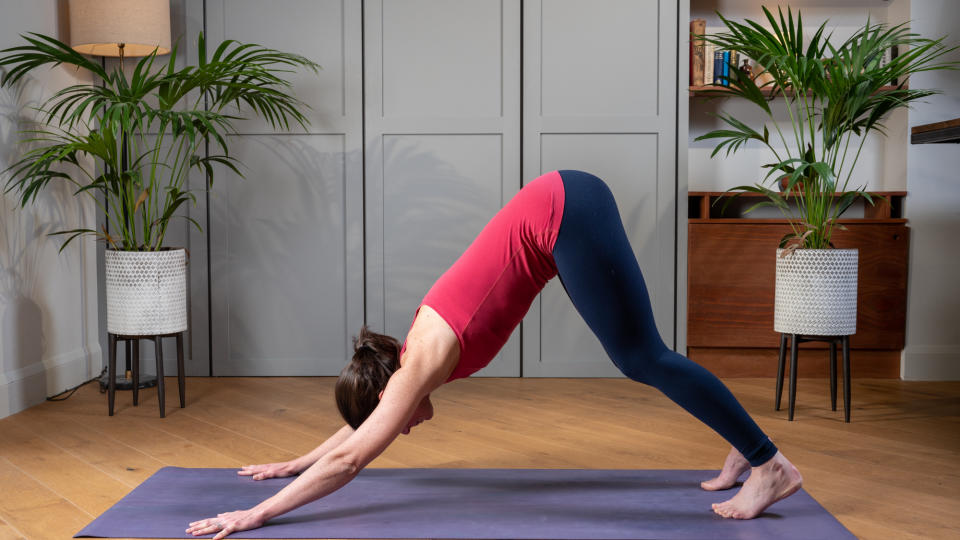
<point x="730" y="290"/>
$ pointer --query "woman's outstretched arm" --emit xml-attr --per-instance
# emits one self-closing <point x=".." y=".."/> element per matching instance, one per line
<point x="336" y="468"/>
<point x="300" y="464"/>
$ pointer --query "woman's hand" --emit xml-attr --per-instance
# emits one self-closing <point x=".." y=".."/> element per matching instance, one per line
<point x="227" y="523"/>
<point x="269" y="470"/>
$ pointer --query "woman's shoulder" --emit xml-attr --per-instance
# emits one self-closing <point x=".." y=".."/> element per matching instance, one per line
<point x="431" y="343"/>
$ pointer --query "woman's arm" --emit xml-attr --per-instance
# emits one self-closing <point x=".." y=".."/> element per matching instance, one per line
<point x="304" y="462"/>
<point x="337" y="467"/>
<point x="300" y="464"/>
<point x="433" y="351"/>
<point x="400" y="398"/>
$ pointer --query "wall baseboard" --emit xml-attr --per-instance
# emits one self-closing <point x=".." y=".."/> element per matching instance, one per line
<point x="931" y="363"/>
<point x="30" y="385"/>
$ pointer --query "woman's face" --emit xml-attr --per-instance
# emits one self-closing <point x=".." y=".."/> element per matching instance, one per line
<point x="423" y="413"/>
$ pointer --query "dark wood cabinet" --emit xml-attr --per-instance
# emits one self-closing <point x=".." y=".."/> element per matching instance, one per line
<point x="730" y="291"/>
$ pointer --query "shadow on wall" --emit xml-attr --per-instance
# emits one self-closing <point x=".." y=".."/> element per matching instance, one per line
<point x="282" y="255"/>
<point x="436" y="200"/>
<point x="26" y="254"/>
<point x="281" y="263"/>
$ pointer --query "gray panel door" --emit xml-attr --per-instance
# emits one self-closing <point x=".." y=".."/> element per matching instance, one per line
<point x="286" y="257"/>
<point x="600" y="96"/>
<point x="442" y="145"/>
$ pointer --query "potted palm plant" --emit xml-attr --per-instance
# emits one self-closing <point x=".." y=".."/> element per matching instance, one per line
<point x="132" y="140"/>
<point x="834" y="95"/>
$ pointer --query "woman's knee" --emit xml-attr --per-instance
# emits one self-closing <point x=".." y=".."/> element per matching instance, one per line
<point x="644" y="363"/>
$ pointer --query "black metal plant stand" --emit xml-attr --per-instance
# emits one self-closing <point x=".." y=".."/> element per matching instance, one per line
<point x="133" y="342"/>
<point x="795" y="340"/>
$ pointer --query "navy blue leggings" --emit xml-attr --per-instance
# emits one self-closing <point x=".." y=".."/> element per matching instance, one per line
<point x="597" y="268"/>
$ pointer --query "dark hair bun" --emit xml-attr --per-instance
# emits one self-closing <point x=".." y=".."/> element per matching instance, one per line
<point x="375" y="358"/>
<point x="377" y="343"/>
<point x="362" y="345"/>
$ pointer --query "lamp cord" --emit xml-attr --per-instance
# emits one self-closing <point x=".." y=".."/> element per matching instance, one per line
<point x="74" y="389"/>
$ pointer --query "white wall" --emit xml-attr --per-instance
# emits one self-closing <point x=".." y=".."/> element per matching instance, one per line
<point x="933" y="207"/>
<point x="48" y="309"/>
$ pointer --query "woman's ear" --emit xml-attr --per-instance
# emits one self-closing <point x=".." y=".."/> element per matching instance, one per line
<point x="380" y="395"/>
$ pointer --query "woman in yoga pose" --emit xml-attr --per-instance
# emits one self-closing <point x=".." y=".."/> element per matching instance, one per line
<point x="564" y="223"/>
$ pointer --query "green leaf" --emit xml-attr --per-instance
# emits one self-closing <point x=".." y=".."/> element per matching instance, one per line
<point x="73" y="234"/>
<point x="844" y="202"/>
<point x="826" y="175"/>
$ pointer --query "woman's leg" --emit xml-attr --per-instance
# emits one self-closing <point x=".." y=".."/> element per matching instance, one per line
<point x="600" y="274"/>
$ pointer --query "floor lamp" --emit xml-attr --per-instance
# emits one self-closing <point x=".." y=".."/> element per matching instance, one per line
<point x="120" y="28"/>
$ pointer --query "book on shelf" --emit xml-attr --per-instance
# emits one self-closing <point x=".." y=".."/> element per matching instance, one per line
<point x="717" y="67"/>
<point x="710" y="65"/>
<point x="727" y="57"/>
<point x="697" y="51"/>
<point x="708" y="51"/>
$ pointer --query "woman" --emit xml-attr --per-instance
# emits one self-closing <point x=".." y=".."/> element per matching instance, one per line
<point x="564" y="223"/>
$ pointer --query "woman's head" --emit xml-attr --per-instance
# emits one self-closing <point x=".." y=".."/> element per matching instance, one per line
<point x="375" y="358"/>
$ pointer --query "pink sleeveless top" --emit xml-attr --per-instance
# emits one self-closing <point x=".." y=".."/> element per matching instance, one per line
<point x="489" y="289"/>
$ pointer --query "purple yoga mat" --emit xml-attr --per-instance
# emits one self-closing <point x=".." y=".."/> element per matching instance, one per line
<point x="466" y="503"/>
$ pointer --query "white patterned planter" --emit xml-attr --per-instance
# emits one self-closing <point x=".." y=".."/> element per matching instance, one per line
<point x="146" y="291"/>
<point x="816" y="292"/>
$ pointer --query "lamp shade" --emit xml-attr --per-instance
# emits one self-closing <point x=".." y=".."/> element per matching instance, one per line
<point x="98" y="27"/>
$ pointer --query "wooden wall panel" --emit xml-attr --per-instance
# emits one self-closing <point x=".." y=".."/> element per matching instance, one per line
<point x="731" y="276"/>
<point x="813" y="361"/>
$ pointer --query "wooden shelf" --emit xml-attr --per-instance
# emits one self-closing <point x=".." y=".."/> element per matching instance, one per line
<point x="729" y="194"/>
<point x="702" y="208"/>
<point x="939" y="132"/>
<point x="713" y="91"/>
<point x="768" y="221"/>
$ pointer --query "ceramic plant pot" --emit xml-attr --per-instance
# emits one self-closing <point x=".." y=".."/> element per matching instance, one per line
<point x="816" y="292"/>
<point x="146" y="291"/>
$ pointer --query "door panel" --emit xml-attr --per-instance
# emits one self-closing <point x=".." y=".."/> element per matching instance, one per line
<point x="313" y="28"/>
<point x="286" y="257"/>
<point x="598" y="98"/>
<point x="598" y="58"/>
<point x="443" y="145"/>
<point x="446" y="70"/>
<point x="278" y="260"/>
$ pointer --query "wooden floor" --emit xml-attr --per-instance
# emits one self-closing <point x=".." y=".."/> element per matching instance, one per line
<point x="893" y="473"/>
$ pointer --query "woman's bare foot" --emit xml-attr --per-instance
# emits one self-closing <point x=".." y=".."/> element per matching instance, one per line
<point x="733" y="467"/>
<point x="774" y="480"/>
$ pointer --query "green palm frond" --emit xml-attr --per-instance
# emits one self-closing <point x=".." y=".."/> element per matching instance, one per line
<point x="145" y="131"/>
